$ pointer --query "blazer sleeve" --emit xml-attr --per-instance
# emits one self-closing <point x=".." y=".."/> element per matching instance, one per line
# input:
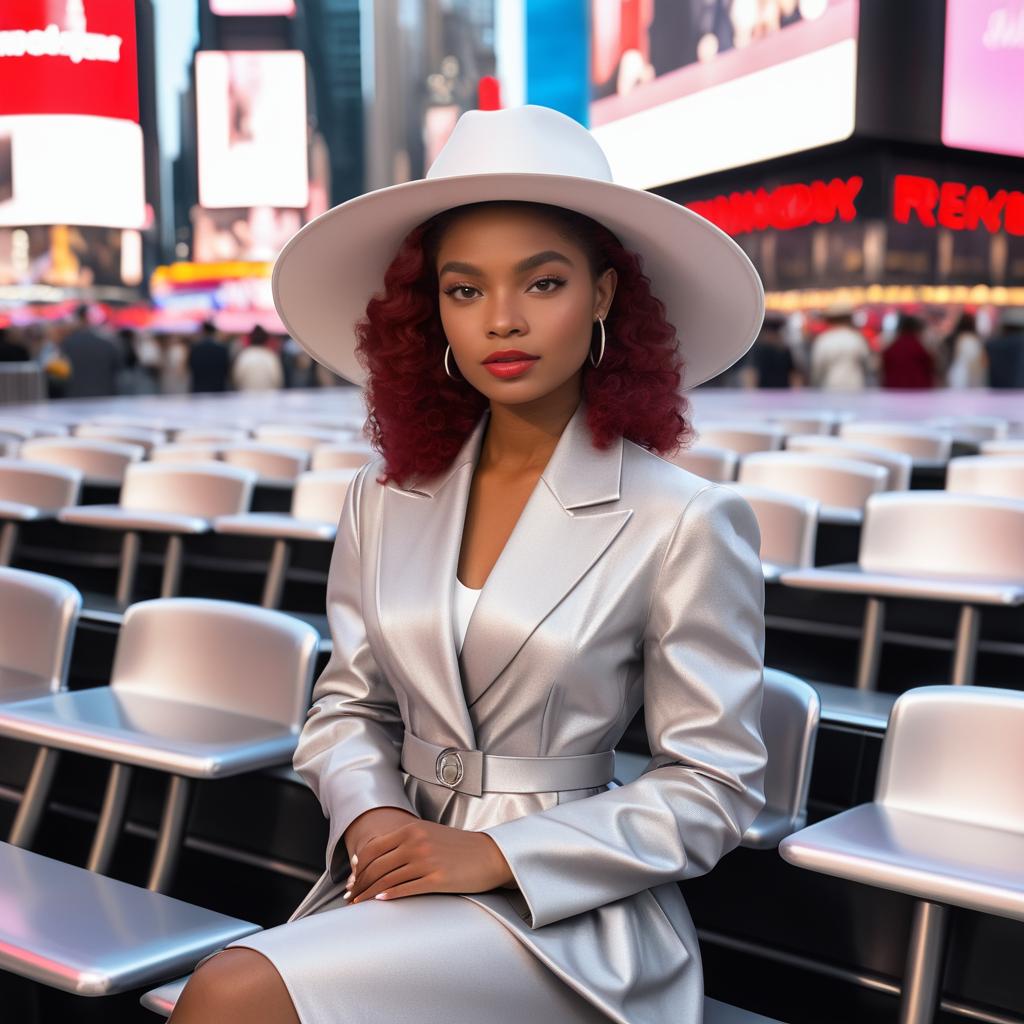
<point x="349" y="750"/>
<point x="703" y="651"/>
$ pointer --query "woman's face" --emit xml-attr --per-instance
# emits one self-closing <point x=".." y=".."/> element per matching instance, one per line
<point x="508" y="280"/>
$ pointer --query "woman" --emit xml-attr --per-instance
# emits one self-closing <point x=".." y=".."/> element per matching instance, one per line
<point x="967" y="366"/>
<point x="505" y="878"/>
<point x="906" y="363"/>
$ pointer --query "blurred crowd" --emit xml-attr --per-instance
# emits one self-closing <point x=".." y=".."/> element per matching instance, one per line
<point x="84" y="360"/>
<point x="842" y="351"/>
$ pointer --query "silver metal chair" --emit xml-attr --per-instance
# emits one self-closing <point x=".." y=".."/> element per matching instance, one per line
<point x="148" y="438"/>
<point x="997" y="475"/>
<point x="38" y="617"/>
<point x="929" y="545"/>
<point x="26" y="428"/>
<point x="897" y="464"/>
<point x="210" y="435"/>
<point x="176" y="500"/>
<point x="101" y="462"/>
<point x="273" y="464"/>
<point x="789" y="725"/>
<point x="715" y="464"/>
<point x="340" y="456"/>
<point x="315" y="510"/>
<point x="929" y="448"/>
<point x="192" y="451"/>
<point x="788" y="525"/>
<point x="200" y="689"/>
<point x="294" y="436"/>
<point x="80" y="932"/>
<point x="30" y="491"/>
<point x="842" y="486"/>
<point x="971" y="429"/>
<point x="744" y="438"/>
<point x="946" y="825"/>
<point x="1009" y="446"/>
<point x="820" y="423"/>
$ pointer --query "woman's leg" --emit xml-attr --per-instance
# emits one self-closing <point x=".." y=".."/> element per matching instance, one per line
<point x="237" y="986"/>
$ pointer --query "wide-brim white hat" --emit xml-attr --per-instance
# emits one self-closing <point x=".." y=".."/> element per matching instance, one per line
<point x="330" y="269"/>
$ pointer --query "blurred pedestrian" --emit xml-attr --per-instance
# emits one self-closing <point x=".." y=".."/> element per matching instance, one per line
<point x="967" y="364"/>
<point x="770" y="363"/>
<point x="906" y="363"/>
<point x="257" y="367"/>
<point x="209" y="361"/>
<point x="132" y="379"/>
<point x="174" y="375"/>
<point x="1006" y="350"/>
<point x="841" y="358"/>
<point x="95" y="360"/>
<point x="11" y="350"/>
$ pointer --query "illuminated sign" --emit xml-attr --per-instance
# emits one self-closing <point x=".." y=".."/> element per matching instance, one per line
<point x="784" y="208"/>
<point x="956" y="205"/>
<point x="75" y="41"/>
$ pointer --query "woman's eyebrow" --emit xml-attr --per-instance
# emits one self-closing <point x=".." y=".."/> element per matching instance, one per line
<point x="520" y="268"/>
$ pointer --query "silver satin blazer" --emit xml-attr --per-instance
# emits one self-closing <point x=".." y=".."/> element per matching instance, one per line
<point x="626" y="581"/>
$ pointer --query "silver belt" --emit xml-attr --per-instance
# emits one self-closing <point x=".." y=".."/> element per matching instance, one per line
<point x="474" y="772"/>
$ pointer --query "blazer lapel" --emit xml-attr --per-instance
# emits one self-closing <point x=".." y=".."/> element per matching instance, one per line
<point x="421" y="536"/>
<point x="548" y="552"/>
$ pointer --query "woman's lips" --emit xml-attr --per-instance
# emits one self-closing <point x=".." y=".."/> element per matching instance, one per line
<point x="507" y="370"/>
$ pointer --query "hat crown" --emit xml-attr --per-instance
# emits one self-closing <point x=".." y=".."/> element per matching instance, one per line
<point x="529" y="139"/>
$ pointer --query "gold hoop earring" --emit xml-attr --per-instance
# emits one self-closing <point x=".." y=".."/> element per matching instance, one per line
<point x="601" y="356"/>
<point x="447" y="353"/>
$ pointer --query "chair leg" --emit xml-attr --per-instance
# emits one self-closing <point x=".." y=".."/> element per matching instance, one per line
<point x="8" y="538"/>
<point x="922" y="978"/>
<point x="273" y="587"/>
<point x="115" y="800"/>
<point x="172" y="832"/>
<point x="966" y="650"/>
<point x="33" y="800"/>
<point x="871" y="644"/>
<point x="129" y="563"/>
<point x="172" y="566"/>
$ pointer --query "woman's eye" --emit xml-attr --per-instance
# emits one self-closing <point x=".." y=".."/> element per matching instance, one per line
<point x="556" y="281"/>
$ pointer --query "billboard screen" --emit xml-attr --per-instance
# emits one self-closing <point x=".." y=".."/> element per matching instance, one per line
<point x="251" y="126"/>
<point x="983" y="77"/>
<point x="682" y="89"/>
<point x="252" y="7"/>
<point x="70" y="140"/>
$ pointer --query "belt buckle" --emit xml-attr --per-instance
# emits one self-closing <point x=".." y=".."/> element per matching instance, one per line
<point x="449" y="767"/>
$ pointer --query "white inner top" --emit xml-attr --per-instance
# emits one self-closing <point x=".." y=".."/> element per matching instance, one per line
<point x="465" y="601"/>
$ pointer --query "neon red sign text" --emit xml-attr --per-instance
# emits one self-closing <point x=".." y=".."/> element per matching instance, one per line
<point x="956" y="206"/>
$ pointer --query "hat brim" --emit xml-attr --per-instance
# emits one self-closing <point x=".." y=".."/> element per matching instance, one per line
<point x="329" y="270"/>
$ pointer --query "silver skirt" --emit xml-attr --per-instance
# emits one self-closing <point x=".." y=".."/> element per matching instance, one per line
<point x="435" y="958"/>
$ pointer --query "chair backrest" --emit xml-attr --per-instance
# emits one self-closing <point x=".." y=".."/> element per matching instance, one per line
<point x="38" y="616"/>
<point x="306" y="438"/>
<point x="917" y="442"/>
<point x="25" y="428"/>
<point x="210" y="435"/>
<point x="742" y="437"/>
<point x="837" y="482"/>
<point x="206" y="491"/>
<point x="790" y="713"/>
<point x="148" y="438"/>
<point x="818" y="424"/>
<point x="101" y="461"/>
<point x="899" y="465"/>
<point x="339" y="456"/>
<point x="319" y="496"/>
<point x="971" y="428"/>
<point x="935" y="533"/>
<point x="35" y="483"/>
<point x="1000" y="475"/>
<point x="220" y="654"/>
<point x="788" y="524"/>
<point x="185" y="452"/>
<point x="1007" y="446"/>
<point x="956" y="752"/>
<point x="273" y="462"/>
<point x="715" y="464"/>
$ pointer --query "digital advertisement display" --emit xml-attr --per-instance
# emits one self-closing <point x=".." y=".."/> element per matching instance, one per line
<point x="253" y="7"/>
<point x="71" y="148"/>
<point x="983" y="79"/>
<point x="251" y="126"/>
<point x="681" y="88"/>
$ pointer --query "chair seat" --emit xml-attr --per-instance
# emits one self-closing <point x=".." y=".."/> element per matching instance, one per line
<point x="273" y="524"/>
<point x="850" y="578"/>
<point x="16" y="685"/>
<point x="116" y="518"/>
<point x="932" y="858"/>
<point x="846" y="705"/>
<point x="151" y="732"/>
<point x="773" y="571"/>
<point x="85" y="933"/>
<point x="22" y="513"/>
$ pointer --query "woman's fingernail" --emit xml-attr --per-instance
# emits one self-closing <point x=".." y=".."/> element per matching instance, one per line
<point x="347" y="896"/>
<point x="381" y="896"/>
<point x="355" y="860"/>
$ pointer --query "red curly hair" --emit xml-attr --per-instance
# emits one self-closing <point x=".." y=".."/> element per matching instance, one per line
<point x="419" y="417"/>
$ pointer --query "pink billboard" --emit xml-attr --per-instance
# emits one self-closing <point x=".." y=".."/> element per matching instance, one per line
<point x="984" y="76"/>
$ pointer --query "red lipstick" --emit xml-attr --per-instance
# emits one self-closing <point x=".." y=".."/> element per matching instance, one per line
<point x="509" y="362"/>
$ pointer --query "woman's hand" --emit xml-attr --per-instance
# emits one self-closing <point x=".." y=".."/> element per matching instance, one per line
<point x="421" y="857"/>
